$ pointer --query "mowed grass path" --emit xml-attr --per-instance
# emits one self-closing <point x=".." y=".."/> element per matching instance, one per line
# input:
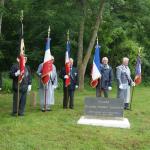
<point x="58" y="129"/>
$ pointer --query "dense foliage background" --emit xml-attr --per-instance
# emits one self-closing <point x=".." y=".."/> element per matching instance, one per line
<point x="125" y="27"/>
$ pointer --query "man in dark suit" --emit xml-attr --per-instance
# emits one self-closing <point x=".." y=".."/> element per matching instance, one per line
<point x="25" y="86"/>
<point x="105" y="83"/>
<point x="69" y="91"/>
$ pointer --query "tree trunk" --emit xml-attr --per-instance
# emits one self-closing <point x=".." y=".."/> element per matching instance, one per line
<point x="1" y="16"/>
<point x="82" y="62"/>
<point x="81" y="72"/>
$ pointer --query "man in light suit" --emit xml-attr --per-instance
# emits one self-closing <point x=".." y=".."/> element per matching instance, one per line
<point x="105" y="83"/>
<point x="124" y="81"/>
<point x="50" y="87"/>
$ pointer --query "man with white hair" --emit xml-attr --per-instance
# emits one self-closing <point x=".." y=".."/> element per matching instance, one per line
<point x="105" y="83"/>
<point x="50" y="87"/>
<point x="68" y="92"/>
<point x="124" y="81"/>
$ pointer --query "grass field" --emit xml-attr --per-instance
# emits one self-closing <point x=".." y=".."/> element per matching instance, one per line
<point x="58" y="129"/>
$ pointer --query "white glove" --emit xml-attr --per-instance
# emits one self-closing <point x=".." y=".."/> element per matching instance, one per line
<point x="133" y="83"/>
<point x="54" y="86"/>
<point x="0" y="89"/>
<point x="66" y="77"/>
<point x="29" y="88"/>
<point x="109" y="88"/>
<point x="17" y="73"/>
<point x="76" y="86"/>
<point x="121" y="86"/>
<point x="40" y="74"/>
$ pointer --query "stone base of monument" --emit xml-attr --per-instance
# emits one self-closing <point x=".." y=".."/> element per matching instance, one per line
<point x="116" y="123"/>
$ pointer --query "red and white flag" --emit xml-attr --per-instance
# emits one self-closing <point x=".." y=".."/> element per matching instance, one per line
<point x="21" y="61"/>
<point x="47" y="64"/>
<point x="67" y="64"/>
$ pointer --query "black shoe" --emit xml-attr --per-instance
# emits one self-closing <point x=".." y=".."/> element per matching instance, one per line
<point x="48" y="110"/>
<point x="71" y="107"/>
<point x="21" y="114"/>
<point x="13" y="114"/>
<point x="64" y="107"/>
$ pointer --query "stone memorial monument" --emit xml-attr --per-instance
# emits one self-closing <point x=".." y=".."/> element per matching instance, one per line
<point x="108" y="112"/>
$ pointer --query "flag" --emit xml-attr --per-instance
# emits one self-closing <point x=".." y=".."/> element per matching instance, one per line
<point x="21" y="61"/>
<point x="138" y="77"/>
<point x="47" y="64"/>
<point x="95" y="72"/>
<point x="67" y="64"/>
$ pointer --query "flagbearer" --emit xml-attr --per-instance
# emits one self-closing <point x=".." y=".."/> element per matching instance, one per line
<point x="124" y="81"/>
<point x="69" y="89"/>
<point x="24" y="87"/>
<point x="105" y="82"/>
<point x="50" y="87"/>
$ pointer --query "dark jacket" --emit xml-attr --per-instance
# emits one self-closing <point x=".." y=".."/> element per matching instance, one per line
<point x="107" y="77"/>
<point x="26" y="80"/>
<point x="73" y="76"/>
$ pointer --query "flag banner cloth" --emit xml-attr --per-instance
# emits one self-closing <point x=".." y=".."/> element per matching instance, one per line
<point x="21" y="61"/>
<point x="138" y="77"/>
<point x="67" y="64"/>
<point x="95" y="72"/>
<point x="47" y="64"/>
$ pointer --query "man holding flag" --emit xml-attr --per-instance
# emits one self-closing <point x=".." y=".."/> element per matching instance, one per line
<point x="21" y="75"/>
<point x="124" y="81"/>
<point x="48" y="78"/>
<point x="69" y="75"/>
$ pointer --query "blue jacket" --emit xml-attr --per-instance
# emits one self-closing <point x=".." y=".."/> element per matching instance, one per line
<point x="107" y="76"/>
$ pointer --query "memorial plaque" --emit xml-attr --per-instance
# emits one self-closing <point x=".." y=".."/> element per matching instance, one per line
<point x="103" y="107"/>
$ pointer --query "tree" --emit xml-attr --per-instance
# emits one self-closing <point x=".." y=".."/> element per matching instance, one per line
<point x="1" y="15"/>
<point x="83" y="60"/>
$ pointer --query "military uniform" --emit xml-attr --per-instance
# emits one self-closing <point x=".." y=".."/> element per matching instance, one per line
<point x="124" y="82"/>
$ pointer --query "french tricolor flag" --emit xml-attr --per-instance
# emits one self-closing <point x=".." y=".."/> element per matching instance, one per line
<point x="95" y="73"/>
<point x="67" y="64"/>
<point x="138" y="77"/>
<point x="47" y="64"/>
<point x="21" y="61"/>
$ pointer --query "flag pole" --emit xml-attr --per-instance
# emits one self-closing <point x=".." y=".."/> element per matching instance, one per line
<point x="139" y="51"/>
<point x="67" y="90"/>
<point x="131" y="98"/>
<point x="18" y="97"/>
<point x="45" y="90"/>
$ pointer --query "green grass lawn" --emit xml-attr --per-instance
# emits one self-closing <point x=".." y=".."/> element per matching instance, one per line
<point x="58" y="129"/>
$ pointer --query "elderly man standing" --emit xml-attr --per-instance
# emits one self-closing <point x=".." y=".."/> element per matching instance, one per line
<point x="52" y="84"/>
<point x="25" y="86"/>
<point x="124" y="81"/>
<point x="105" y="83"/>
<point x="69" y="91"/>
